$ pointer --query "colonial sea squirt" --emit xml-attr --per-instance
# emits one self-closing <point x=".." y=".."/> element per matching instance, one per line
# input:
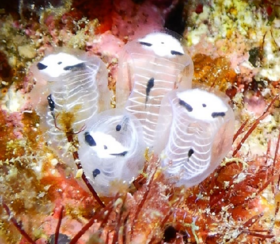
<point x="72" y="88"/>
<point x="184" y="125"/>
<point x="230" y="184"/>
<point x="112" y="150"/>
<point x="73" y="100"/>
<point x="149" y="68"/>
<point x="200" y="134"/>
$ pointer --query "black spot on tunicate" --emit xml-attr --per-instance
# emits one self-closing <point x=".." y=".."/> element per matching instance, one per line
<point x="118" y="127"/>
<point x="119" y="154"/>
<point x="146" y="44"/>
<point x="89" y="140"/>
<point x="62" y="239"/>
<point x="169" y="234"/>
<point x="105" y="147"/>
<point x="95" y="172"/>
<point x="218" y="114"/>
<point x="74" y="67"/>
<point x="190" y="152"/>
<point x="51" y="102"/>
<point x="41" y="66"/>
<point x="203" y="105"/>
<point x="150" y="85"/>
<point x="176" y="53"/>
<point x="59" y="63"/>
<point x="185" y="105"/>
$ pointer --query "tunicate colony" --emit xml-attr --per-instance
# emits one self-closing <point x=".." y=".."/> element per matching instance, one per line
<point x="191" y="130"/>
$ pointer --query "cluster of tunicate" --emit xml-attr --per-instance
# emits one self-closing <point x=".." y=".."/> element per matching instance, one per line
<point x="191" y="129"/>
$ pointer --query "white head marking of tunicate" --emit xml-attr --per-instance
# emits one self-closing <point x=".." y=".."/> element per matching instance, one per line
<point x="107" y="146"/>
<point x="55" y="65"/>
<point x="162" y="44"/>
<point x="202" y="105"/>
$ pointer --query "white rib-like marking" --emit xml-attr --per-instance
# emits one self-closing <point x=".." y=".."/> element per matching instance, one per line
<point x="75" y="93"/>
<point x="190" y="131"/>
<point x="137" y="65"/>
